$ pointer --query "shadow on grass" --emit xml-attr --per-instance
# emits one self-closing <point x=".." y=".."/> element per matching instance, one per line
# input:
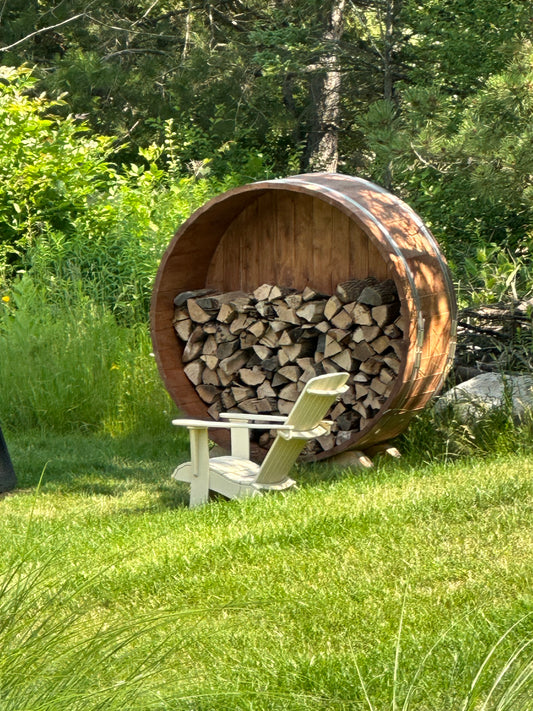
<point x="95" y="464"/>
<point x="89" y="464"/>
<point x="99" y="465"/>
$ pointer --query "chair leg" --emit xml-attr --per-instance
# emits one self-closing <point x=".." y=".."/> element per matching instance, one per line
<point x="200" y="467"/>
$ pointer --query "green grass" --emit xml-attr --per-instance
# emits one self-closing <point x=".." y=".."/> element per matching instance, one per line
<point x="290" y="601"/>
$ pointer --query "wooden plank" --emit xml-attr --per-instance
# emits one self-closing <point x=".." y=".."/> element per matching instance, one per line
<point x="376" y="263"/>
<point x="229" y="253"/>
<point x="358" y="252"/>
<point x="253" y="228"/>
<point x="285" y="255"/>
<point x="340" y="258"/>
<point x="303" y="231"/>
<point x="320" y="244"/>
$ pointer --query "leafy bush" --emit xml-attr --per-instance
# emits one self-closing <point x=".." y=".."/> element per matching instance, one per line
<point x="69" y="216"/>
<point x="51" y="170"/>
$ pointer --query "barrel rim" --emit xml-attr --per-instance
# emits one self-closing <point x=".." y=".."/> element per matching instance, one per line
<point x="307" y="184"/>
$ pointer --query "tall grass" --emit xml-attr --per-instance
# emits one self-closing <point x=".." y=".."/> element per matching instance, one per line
<point x="442" y="436"/>
<point x="66" y="364"/>
<point x="57" y="655"/>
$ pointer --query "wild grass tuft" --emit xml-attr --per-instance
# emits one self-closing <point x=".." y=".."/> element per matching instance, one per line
<point x="442" y="436"/>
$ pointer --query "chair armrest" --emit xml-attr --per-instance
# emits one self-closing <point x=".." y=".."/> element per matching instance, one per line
<point x="259" y="418"/>
<point x="322" y="428"/>
<point x="338" y="391"/>
<point x="208" y="425"/>
<point x="240" y="443"/>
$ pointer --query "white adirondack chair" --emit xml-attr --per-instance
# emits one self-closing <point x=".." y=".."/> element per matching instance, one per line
<point x="236" y="476"/>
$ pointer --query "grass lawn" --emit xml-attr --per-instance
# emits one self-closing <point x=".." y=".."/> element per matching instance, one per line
<point x="359" y="590"/>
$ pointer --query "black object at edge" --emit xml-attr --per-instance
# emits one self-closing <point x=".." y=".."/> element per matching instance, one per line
<point x="8" y="479"/>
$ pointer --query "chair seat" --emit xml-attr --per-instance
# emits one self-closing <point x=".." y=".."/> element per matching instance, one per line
<point x="234" y="469"/>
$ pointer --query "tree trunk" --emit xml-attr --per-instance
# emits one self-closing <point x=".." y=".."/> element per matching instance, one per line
<point x="392" y="11"/>
<point x="321" y="150"/>
<point x="8" y="479"/>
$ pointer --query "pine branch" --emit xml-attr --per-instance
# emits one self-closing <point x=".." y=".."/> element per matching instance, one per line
<point x="42" y="30"/>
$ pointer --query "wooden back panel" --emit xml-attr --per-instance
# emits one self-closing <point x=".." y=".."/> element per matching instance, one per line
<point x="293" y="239"/>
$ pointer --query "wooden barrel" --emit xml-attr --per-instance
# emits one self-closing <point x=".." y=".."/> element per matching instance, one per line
<point x="314" y="230"/>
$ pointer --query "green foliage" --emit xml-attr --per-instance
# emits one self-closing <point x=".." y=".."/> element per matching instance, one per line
<point x="456" y="44"/>
<point x="66" y="365"/>
<point x="465" y="166"/>
<point x="56" y="655"/>
<point x="441" y="436"/>
<point x="70" y="217"/>
<point x="51" y="170"/>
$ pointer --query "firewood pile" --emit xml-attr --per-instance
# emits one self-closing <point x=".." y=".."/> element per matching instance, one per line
<point x="253" y="353"/>
<point x="494" y="338"/>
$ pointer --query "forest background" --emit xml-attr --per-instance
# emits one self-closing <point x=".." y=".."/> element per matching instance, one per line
<point x="120" y="118"/>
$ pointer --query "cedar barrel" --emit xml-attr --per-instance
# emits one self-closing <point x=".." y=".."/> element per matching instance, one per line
<point x="314" y="230"/>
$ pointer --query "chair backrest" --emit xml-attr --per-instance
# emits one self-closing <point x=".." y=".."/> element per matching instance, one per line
<point x="309" y="410"/>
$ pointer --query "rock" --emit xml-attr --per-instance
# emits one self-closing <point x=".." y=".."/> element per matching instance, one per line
<point x="487" y="392"/>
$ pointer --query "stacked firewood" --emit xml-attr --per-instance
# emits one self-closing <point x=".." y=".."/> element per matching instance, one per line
<point x="254" y="353"/>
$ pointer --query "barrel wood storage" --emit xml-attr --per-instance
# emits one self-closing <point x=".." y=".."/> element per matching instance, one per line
<point x="314" y="230"/>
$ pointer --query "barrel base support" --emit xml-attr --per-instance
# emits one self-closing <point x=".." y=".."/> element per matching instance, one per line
<point x="385" y="449"/>
<point x="352" y="458"/>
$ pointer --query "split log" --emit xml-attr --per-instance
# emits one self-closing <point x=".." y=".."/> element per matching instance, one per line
<point x="290" y="392"/>
<point x="211" y="361"/>
<point x="385" y="314"/>
<point x="252" y="376"/>
<point x="392" y="331"/>
<point x="241" y="393"/>
<point x="312" y="311"/>
<point x="380" y="344"/>
<point x="360" y="313"/>
<point x="332" y="307"/>
<point x="343" y="360"/>
<point x="393" y="362"/>
<point x="226" y="313"/>
<point x="241" y="323"/>
<point x="208" y="393"/>
<point x="342" y="319"/>
<point x="234" y="363"/>
<point x="286" y="314"/>
<point x="197" y="313"/>
<point x="294" y="301"/>
<point x="383" y="292"/>
<point x="361" y="351"/>
<point x="262" y="292"/>
<point x="210" y="377"/>
<point x="183" y="328"/>
<point x="227" y="348"/>
<point x="194" y="370"/>
<point x="351" y="290"/>
<point x="256" y="406"/>
<point x="182" y="298"/>
<point x="192" y="350"/>
<point x="291" y="372"/>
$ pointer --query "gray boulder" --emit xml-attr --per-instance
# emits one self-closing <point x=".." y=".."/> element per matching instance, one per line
<point x="484" y="393"/>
